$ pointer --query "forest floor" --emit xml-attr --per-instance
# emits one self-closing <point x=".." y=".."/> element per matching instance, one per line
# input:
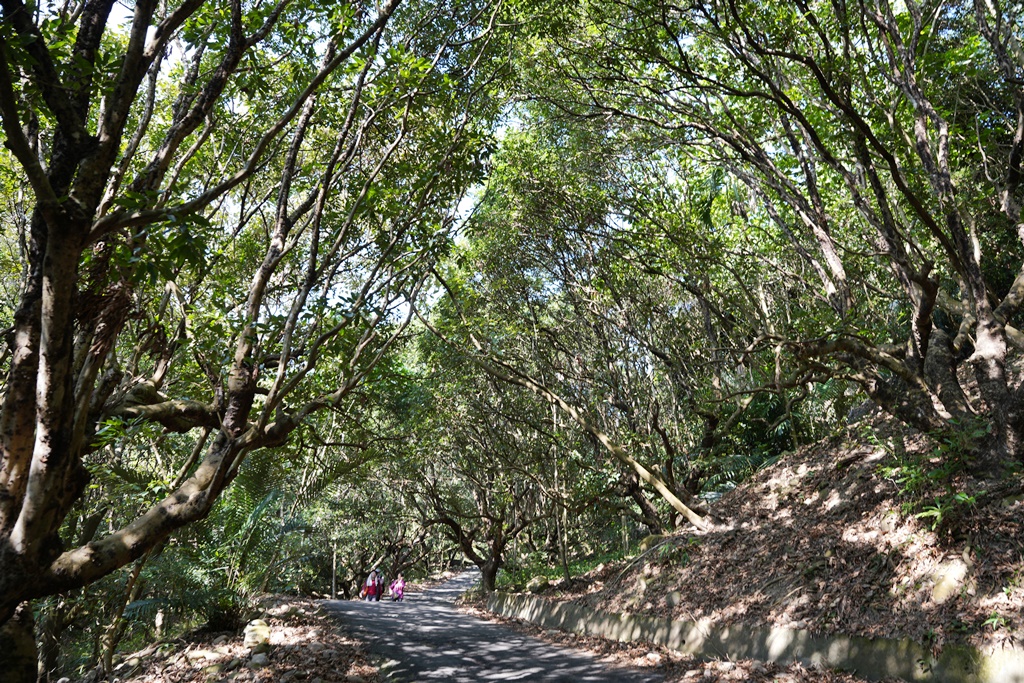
<point x="831" y="539"/>
<point x="305" y="645"/>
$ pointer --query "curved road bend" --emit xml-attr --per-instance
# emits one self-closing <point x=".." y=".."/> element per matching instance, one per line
<point x="432" y="641"/>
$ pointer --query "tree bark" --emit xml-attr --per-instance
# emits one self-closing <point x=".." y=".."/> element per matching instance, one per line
<point x="18" y="660"/>
<point x="489" y="574"/>
<point x="631" y="484"/>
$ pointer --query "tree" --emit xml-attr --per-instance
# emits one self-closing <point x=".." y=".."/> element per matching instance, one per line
<point x="231" y="207"/>
<point x="573" y="287"/>
<point x="861" y="129"/>
<point x="482" y="461"/>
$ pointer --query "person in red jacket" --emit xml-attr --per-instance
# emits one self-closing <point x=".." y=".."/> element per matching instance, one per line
<point x="370" y="589"/>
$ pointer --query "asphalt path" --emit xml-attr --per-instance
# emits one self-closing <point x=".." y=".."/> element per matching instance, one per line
<point x="425" y="638"/>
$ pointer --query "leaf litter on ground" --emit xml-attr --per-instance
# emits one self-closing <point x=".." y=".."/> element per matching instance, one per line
<point x="823" y="540"/>
<point x="306" y="646"/>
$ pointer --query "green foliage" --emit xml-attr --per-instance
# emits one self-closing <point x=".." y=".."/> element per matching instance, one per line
<point x="928" y="484"/>
<point x="707" y="228"/>
<point x="726" y="472"/>
<point x="516" y="576"/>
<point x="996" y="621"/>
<point x="676" y="553"/>
<point x="944" y="510"/>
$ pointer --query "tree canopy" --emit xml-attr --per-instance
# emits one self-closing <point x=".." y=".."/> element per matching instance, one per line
<point x="476" y="267"/>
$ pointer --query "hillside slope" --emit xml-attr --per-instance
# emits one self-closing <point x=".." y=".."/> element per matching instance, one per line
<point x="826" y="540"/>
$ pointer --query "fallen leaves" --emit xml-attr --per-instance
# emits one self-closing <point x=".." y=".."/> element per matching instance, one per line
<point x="305" y="647"/>
<point x="819" y="540"/>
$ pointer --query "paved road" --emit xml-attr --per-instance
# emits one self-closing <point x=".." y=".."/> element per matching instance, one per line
<point x="428" y="639"/>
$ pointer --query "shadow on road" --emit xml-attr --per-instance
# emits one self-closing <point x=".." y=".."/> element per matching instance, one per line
<point x="426" y="638"/>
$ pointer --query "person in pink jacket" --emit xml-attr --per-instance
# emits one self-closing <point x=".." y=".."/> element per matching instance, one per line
<point x="398" y="589"/>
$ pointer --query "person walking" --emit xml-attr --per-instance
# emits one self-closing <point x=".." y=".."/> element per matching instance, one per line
<point x="398" y="589"/>
<point x="370" y="589"/>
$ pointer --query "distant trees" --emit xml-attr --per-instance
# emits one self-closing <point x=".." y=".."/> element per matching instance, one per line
<point x="571" y="289"/>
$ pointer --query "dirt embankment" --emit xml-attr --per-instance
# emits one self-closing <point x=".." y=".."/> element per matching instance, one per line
<point x="304" y="646"/>
<point x="827" y="539"/>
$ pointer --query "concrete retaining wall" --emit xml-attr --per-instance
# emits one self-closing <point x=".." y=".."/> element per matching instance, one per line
<point x="871" y="659"/>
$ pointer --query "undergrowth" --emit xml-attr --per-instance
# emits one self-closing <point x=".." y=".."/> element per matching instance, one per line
<point x="536" y="564"/>
<point x="927" y="483"/>
<point x="675" y="550"/>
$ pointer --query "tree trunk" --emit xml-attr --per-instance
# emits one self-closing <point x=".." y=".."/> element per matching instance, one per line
<point x="489" y="574"/>
<point x="631" y="485"/>
<point x="115" y="629"/>
<point x="53" y="622"/>
<point x="18" y="647"/>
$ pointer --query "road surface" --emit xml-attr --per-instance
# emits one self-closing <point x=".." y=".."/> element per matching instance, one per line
<point x="425" y="638"/>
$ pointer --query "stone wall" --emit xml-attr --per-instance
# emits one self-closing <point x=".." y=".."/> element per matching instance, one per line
<point x="871" y="659"/>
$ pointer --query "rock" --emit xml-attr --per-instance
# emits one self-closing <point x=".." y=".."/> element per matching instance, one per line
<point x="195" y="655"/>
<point x="258" y="661"/>
<point x="948" y="578"/>
<point x="758" y="668"/>
<point x="537" y="584"/>
<point x="233" y="664"/>
<point x="256" y="631"/>
<point x="674" y="599"/>
<point x="220" y="640"/>
<point x="214" y="669"/>
<point x="260" y="648"/>
<point x="288" y="676"/>
<point x="651" y="541"/>
<point x="128" y="668"/>
<point x="859" y="412"/>
<point x="316" y="647"/>
<point x="284" y="611"/>
<point x="1010" y="501"/>
<point x="653" y="658"/>
<point x="329" y="654"/>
